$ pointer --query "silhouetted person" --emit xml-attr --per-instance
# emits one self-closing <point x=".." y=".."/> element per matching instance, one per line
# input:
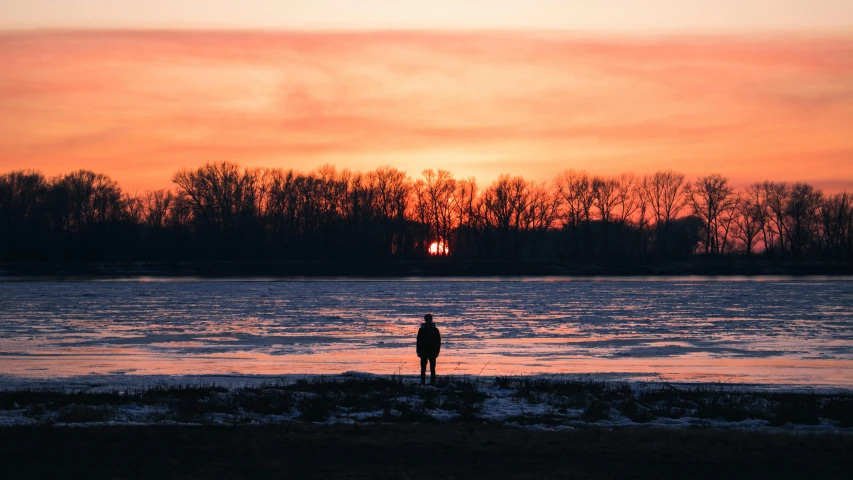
<point x="429" y="344"/>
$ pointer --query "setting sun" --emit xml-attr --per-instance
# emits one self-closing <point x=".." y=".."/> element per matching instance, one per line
<point x="439" y="248"/>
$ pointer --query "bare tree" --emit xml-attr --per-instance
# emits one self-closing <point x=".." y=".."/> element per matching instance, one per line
<point x="577" y="197"/>
<point x="666" y="195"/>
<point x="837" y="224"/>
<point x="331" y="187"/>
<point x="644" y="216"/>
<point x="280" y="205"/>
<point x="467" y="214"/>
<point x="801" y="212"/>
<point x="393" y="191"/>
<point x="90" y="198"/>
<point x="361" y="207"/>
<point x="607" y="196"/>
<point x="156" y="206"/>
<point x="749" y="220"/>
<point x="629" y="197"/>
<point x="180" y="213"/>
<point x="542" y="207"/>
<point x="726" y="225"/>
<point x="775" y="199"/>
<point x="134" y="208"/>
<point x="23" y="211"/>
<point x="224" y="195"/>
<point x="434" y="204"/>
<point x="220" y="210"/>
<point x="505" y="203"/>
<point x="21" y="193"/>
<point x="712" y="197"/>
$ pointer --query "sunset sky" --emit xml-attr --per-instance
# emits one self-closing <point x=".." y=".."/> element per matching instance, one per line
<point x="753" y="89"/>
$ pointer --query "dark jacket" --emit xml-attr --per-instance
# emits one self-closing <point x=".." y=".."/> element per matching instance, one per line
<point x="429" y="341"/>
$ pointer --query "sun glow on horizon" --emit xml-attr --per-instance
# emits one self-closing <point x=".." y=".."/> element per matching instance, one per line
<point x="439" y="248"/>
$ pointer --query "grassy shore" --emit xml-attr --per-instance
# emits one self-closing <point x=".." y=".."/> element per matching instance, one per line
<point x="391" y="427"/>
<point x="540" y="402"/>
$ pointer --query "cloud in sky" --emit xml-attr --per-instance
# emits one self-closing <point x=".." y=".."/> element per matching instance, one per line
<point x="140" y="105"/>
<point x="610" y="15"/>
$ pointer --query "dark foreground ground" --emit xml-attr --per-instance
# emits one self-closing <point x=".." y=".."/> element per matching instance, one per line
<point x="416" y="451"/>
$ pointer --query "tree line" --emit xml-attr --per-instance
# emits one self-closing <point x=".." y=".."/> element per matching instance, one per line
<point x="222" y="211"/>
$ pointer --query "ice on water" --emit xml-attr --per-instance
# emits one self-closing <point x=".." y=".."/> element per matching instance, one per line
<point x="770" y="332"/>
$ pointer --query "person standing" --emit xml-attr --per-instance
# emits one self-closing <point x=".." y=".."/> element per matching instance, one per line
<point x="429" y="344"/>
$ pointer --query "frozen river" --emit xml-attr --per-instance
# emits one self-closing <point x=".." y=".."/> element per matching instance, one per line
<point x="771" y="331"/>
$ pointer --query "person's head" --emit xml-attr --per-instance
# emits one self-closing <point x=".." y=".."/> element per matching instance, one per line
<point x="428" y="318"/>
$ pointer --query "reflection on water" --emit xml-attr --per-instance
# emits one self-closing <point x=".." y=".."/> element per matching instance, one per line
<point x="792" y="332"/>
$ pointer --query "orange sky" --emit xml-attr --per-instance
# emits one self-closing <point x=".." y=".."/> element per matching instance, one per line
<point x="597" y="16"/>
<point x="139" y="105"/>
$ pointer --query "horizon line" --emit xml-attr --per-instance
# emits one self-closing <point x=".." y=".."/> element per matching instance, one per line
<point x="816" y="183"/>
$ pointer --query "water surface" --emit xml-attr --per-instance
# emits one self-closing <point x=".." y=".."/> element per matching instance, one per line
<point x="776" y="331"/>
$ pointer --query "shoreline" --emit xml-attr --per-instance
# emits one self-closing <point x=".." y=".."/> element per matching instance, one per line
<point x="367" y="426"/>
<point x="117" y="381"/>
<point x="437" y="269"/>
<point x="539" y="403"/>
